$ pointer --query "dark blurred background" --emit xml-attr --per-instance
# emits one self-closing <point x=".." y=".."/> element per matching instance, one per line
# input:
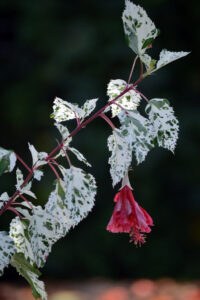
<point x="71" y="49"/>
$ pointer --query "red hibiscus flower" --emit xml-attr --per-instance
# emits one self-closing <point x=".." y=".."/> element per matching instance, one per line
<point x="129" y="217"/>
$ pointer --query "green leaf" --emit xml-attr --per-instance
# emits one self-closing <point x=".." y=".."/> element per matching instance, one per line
<point x="7" y="250"/>
<point x="7" y="160"/>
<point x="31" y="274"/>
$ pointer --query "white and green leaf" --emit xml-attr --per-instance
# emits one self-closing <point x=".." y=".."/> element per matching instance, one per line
<point x="80" y="194"/>
<point x="56" y="207"/>
<point x="128" y="101"/>
<point x="7" y="250"/>
<point x="64" y="132"/>
<point x="42" y="234"/>
<point x="167" y="57"/>
<point x="121" y="156"/>
<point x="165" y="124"/>
<point x="88" y="107"/>
<point x="38" y="159"/>
<point x="25" y="189"/>
<point x="7" y="160"/>
<point x="4" y="199"/>
<point x="64" y="110"/>
<point x="19" y="234"/>
<point x="140" y="31"/>
<point x="139" y="132"/>
<point x="31" y="274"/>
<point x="79" y="156"/>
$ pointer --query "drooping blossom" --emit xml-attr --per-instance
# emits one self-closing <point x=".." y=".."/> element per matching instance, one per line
<point x="128" y="216"/>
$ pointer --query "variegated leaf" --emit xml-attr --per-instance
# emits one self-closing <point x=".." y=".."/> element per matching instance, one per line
<point x="139" y="132"/>
<point x="56" y="207"/>
<point x="121" y="156"/>
<point x="42" y="233"/>
<point x="7" y="250"/>
<point x="19" y="234"/>
<point x="140" y="31"/>
<point x="165" y="124"/>
<point x="3" y="199"/>
<point x="26" y="188"/>
<point x="7" y="160"/>
<point x="88" y="107"/>
<point x="80" y="194"/>
<point x="129" y="101"/>
<point x="31" y="274"/>
<point x="79" y="156"/>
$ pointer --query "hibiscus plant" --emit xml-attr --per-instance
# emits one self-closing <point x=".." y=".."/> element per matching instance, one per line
<point x="34" y="229"/>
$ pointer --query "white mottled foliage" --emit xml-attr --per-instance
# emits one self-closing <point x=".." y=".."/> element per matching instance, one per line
<point x="79" y="156"/>
<point x="140" y="31"/>
<point x="80" y="194"/>
<point x="38" y="159"/>
<point x="121" y="156"/>
<point x="63" y="110"/>
<point x="167" y="57"/>
<point x="88" y="107"/>
<point x="129" y="101"/>
<point x="56" y="208"/>
<point x="165" y="124"/>
<point x="64" y="133"/>
<point x="26" y="188"/>
<point x="3" y="199"/>
<point x="42" y="233"/>
<point x="19" y="234"/>
<point x="7" y="160"/>
<point x="7" y="250"/>
<point x="31" y="274"/>
<point x="138" y="130"/>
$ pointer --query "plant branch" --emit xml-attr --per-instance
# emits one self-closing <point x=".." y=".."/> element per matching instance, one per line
<point x="132" y="69"/>
<point x="23" y="163"/>
<point x="76" y="130"/>
<point x="54" y="170"/>
<point x="103" y="116"/>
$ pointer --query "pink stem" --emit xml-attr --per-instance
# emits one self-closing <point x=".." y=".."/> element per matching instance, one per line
<point x="23" y="163"/>
<point x="21" y="196"/>
<point x="67" y="157"/>
<point x="54" y="170"/>
<point x="15" y="211"/>
<point x="77" y="119"/>
<point x="132" y="69"/>
<point x="143" y="96"/>
<point x="76" y="130"/>
<point x="103" y="116"/>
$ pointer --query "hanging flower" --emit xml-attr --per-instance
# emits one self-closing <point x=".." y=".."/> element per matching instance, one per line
<point x="128" y="216"/>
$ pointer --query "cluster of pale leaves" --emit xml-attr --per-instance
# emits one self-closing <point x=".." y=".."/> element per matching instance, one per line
<point x="31" y="237"/>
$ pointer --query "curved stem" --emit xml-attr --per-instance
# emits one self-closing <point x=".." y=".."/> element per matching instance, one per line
<point x="76" y="130"/>
<point x="143" y="96"/>
<point x="54" y="170"/>
<point x="103" y="116"/>
<point x="67" y="157"/>
<point x="132" y="69"/>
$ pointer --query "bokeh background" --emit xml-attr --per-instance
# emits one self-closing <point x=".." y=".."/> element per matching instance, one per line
<point x="71" y="49"/>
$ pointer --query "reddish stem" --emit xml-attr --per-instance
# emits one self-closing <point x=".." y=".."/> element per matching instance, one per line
<point x="21" y="196"/>
<point x="76" y="130"/>
<point x="67" y="157"/>
<point x="103" y="116"/>
<point x="23" y="163"/>
<point x="15" y="211"/>
<point x="54" y="170"/>
<point x="143" y="96"/>
<point x="132" y="69"/>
